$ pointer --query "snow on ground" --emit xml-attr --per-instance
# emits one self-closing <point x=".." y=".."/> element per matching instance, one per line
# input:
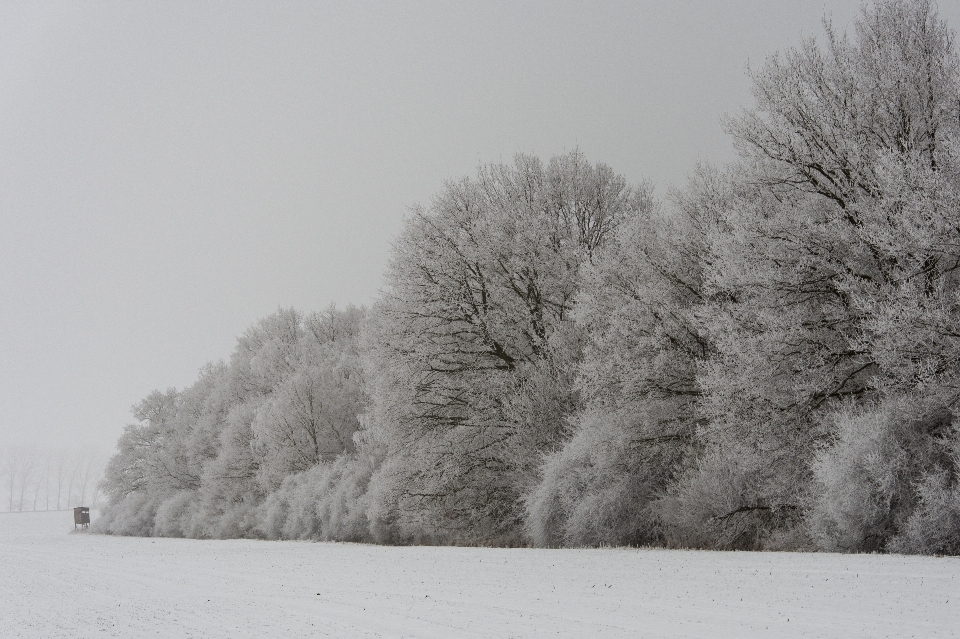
<point x="57" y="584"/>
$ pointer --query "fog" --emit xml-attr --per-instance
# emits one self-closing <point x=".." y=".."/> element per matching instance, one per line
<point x="173" y="172"/>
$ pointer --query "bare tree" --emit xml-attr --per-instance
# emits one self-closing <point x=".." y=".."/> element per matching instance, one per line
<point x="42" y="480"/>
<point x="61" y="476"/>
<point x="27" y="470"/>
<point x="9" y="464"/>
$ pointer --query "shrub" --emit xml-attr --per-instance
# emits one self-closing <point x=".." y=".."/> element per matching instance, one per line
<point x="325" y="502"/>
<point x="132" y="515"/>
<point x="934" y="527"/>
<point x="597" y="489"/>
<point x="174" y="515"/>
<point x="888" y="474"/>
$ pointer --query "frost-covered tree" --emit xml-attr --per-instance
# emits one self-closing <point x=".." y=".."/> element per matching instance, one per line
<point x="466" y="352"/>
<point x="795" y="255"/>
<point x="140" y="475"/>
<point x="294" y="398"/>
<point x="201" y="461"/>
<point x="826" y="114"/>
<point x="312" y="414"/>
<point x="891" y="481"/>
<point x="637" y="383"/>
<point x="139" y="462"/>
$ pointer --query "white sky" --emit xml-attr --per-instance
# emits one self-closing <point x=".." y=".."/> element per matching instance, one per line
<point x="170" y="172"/>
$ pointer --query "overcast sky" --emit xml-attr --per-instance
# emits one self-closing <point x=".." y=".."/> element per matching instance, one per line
<point x="171" y="172"/>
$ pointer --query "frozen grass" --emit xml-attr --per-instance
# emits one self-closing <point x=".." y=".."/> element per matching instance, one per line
<point x="57" y="584"/>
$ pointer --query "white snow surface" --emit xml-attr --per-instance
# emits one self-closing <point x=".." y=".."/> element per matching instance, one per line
<point x="55" y="583"/>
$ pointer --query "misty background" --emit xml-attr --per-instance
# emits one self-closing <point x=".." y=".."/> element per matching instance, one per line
<point x="174" y="171"/>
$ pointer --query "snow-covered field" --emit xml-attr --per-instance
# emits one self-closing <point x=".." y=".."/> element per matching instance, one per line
<point x="57" y="584"/>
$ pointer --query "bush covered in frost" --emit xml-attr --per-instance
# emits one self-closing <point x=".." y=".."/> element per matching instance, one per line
<point x="890" y="480"/>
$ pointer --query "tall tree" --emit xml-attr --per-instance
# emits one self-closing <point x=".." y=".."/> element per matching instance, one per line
<point x="312" y="414"/>
<point x="637" y="383"/>
<point x="794" y="251"/>
<point x="480" y="290"/>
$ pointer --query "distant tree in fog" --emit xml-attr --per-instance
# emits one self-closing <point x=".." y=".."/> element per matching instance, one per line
<point x="46" y="479"/>
<point x="8" y="466"/>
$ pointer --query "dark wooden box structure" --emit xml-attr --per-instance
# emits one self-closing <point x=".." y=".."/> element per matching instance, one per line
<point x="81" y="516"/>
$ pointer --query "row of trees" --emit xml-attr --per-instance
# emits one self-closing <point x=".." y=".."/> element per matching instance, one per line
<point x="202" y="461"/>
<point x="766" y="359"/>
<point x="38" y="479"/>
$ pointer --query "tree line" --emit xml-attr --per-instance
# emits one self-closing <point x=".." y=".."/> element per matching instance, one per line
<point x="767" y="358"/>
<point x="34" y="478"/>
